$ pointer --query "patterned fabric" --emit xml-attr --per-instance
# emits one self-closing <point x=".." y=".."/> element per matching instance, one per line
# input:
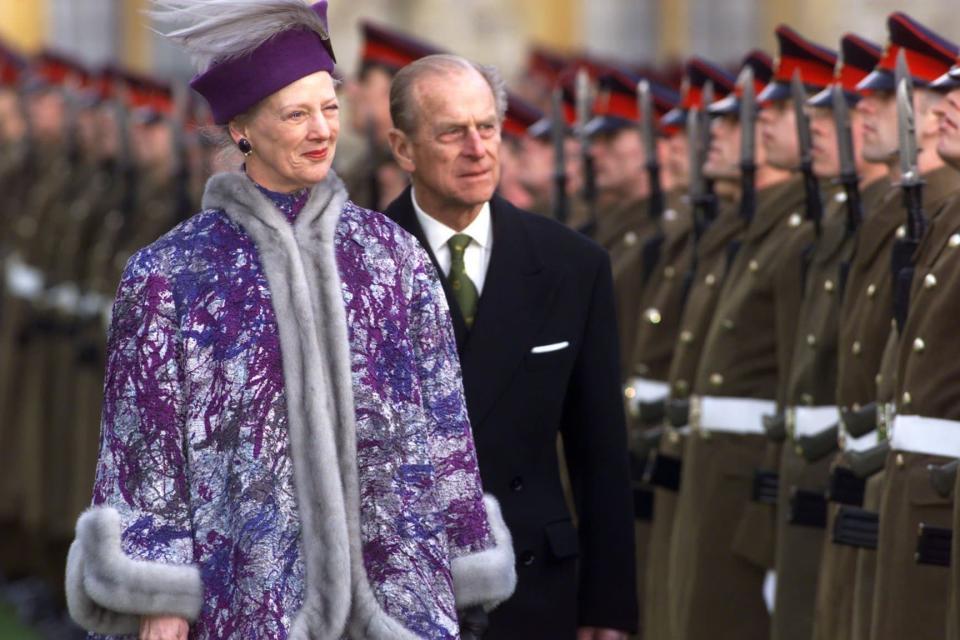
<point x="194" y="448"/>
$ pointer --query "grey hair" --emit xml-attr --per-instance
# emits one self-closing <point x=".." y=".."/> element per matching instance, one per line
<point x="220" y="30"/>
<point x="403" y="108"/>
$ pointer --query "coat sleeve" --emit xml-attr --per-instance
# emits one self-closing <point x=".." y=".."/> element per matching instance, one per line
<point x="133" y="550"/>
<point x="480" y="547"/>
<point x="595" y="446"/>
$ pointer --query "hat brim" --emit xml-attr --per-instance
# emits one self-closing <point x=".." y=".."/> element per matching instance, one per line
<point x="725" y="106"/>
<point x="948" y="81"/>
<point x="676" y="117"/>
<point x="542" y="128"/>
<point x="773" y="92"/>
<point x="878" y="80"/>
<point x="607" y="124"/>
<point x="824" y="99"/>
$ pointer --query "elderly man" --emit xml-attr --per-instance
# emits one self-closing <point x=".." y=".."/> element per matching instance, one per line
<point x="532" y="309"/>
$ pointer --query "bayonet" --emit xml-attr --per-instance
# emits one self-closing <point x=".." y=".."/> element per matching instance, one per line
<point x="748" y="164"/>
<point x="558" y="136"/>
<point x="648" y="132"/>
<point x="810" y="186"/>
<point x="584" y="112"/>
<point x="709" y="202"/>
<point x="848" y="165"/>
<point x="910" y="180"/>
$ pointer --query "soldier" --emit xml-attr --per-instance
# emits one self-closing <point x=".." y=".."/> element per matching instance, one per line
<point x="808" y="389"/>
<point x="374" y="180"/>
<point x="901" y="585"/>
<point x="520" y="116"/>
<point x="661" y="305"/>
<point x="737" y="376"/>
<point x="627" y="221"/>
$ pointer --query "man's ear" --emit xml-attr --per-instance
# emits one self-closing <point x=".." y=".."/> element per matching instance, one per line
<point x="402" y="148"/>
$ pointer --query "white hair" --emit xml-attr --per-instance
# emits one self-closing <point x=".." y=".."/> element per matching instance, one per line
<point x="214" y="31"/>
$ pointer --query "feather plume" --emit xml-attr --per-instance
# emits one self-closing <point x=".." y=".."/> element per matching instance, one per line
<point x="214" y="31"/>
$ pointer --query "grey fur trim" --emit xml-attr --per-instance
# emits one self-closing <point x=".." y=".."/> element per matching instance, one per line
<point x="107" y="591"/>
<point x="299" y="262"/>
<point x="487" y="577"/>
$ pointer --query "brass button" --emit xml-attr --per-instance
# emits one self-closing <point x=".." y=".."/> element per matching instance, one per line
<point x="686" y="337"/>
<point x="674" y="437"/>
<point x="806" y="399"/>
<point x="929" y="281"/>
<point x="901" y="463"/>
<point x="682" y="387"/>
<point x="710" y="280"/>
<point x="629" y="393"/>
<point x="754" y="266"/>
<point x="669" y="272"/>
<point x="630" y="238"/>
<point x="828" y="286"/>
<point x="954" y="241"/>
<point x="871" y="290"/>
<point x="653" y="316"/>
<point x="795" y="220"/>
<point x="811" y="340"/>
<point x="641" y="369"/>
<point x="856" y="348"/>
<point x="670" y="214"/>
<point x="716" y="379"/>
<point x="727" y="324"/>
<point x="878" y="379"/>
<point x="902" y="232"/>
<point x="919" y="345"/>
<point x="907" y="398"/>
<point x="840" y="197"/>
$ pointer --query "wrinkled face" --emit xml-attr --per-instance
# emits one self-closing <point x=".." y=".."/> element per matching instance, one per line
<point x="453" y="154"/>
<point x="879" y="113"/>
<point x="948" y="119"/>
<point x="723" y="159"/>
<point x="46" y="111"/>
<point x="293" y="133"/>
<point x="777" y="128"/>
<point x="678" y="157"/>
<point x="368" y="99"/>
<point x="825" y="152"/>
<point x="619" y="162"/>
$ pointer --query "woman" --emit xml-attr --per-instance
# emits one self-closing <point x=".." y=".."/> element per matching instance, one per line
<point x="285" y="450"/>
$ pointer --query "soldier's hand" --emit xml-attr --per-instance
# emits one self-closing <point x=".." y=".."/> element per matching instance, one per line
<point x="163" y="628"/>
<point x="598" y="633"/>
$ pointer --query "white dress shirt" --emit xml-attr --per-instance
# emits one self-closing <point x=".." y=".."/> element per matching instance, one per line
<point x="476" y="258"/>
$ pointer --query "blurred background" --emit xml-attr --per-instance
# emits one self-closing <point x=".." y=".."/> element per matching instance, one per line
<point x="95" y="164"/>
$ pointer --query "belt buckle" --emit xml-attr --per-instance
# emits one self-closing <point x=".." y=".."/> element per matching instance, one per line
<point x="885" y="421"/>
<point x="696" y="415"/>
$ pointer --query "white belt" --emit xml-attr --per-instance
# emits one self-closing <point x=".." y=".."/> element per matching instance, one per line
<point x="646" y="390"/>
<point x="916" y="434"/>
<point x="811" y="421"/>
<point x="864" y="442"/>
<point x="733" y="415"/>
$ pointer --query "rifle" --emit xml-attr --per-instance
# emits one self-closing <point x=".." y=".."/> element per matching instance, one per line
<point x="810" y="186"/>
<point x="649" y="134"/>
<point x="748" y="164"/>
<point x="584" y="111"/>
<point x="558" y="136"/>
<point x="848" y="167"/>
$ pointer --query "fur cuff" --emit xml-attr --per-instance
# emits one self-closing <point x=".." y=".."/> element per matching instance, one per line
<point x="107" y="591"/>
<point x="487" y="577"/>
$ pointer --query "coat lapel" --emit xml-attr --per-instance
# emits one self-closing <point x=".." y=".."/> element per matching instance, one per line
<point x="401" y="211"/>
<point x="516" y="299"/>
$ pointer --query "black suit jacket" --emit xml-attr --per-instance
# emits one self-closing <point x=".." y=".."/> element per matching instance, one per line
<point x="547" y="285"/>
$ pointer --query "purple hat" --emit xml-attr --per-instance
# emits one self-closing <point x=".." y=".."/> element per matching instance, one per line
<point x="235" y="85"/>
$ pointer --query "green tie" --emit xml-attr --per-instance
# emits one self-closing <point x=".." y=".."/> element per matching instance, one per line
<point x="463" y="288"/>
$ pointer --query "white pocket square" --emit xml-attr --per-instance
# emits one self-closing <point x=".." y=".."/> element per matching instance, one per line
<point x="547" y="348"/>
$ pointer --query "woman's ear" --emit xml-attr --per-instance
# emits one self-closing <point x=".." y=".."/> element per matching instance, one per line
<point x="401" y="146"/>
<point x="237" y="130"/>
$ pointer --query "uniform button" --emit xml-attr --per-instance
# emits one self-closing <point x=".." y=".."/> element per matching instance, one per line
<point x="878" y="379"/>
<point x="674" y="437"/>
<point x="641" y="369"/>
<point x="682" y="387"/>
<point x="871" y="290"/>
<point x="517" y="484"/>
<point x="795" y="220"/>
<point x="907" y="398"/>
<point x="629" y="393"/>
<point x="527" y="558"/>
<point x="653" y="316"/>
<point x="630" y="238"/>
<point x="754" y="266"/>
<point x="669" y="272"/>
<point x="919" y="345"/>
<point x="710" y="280"/>
<point x="954" y="241"/>
<point x="716" y="379"/>
<point x="686" y="337"/>
<point x="670" y="214"/>
<point x="929" y="281"/>
<point x="828" y="286"/>
<point x="840" y="196"/>
<point x="856" y="348"/>
<point x="900" y="461"/>
<point x="811" y="340"/>
<point x="806" y="399"/>
<point x="902" y="231"/>
<point x="727" y="324"/>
